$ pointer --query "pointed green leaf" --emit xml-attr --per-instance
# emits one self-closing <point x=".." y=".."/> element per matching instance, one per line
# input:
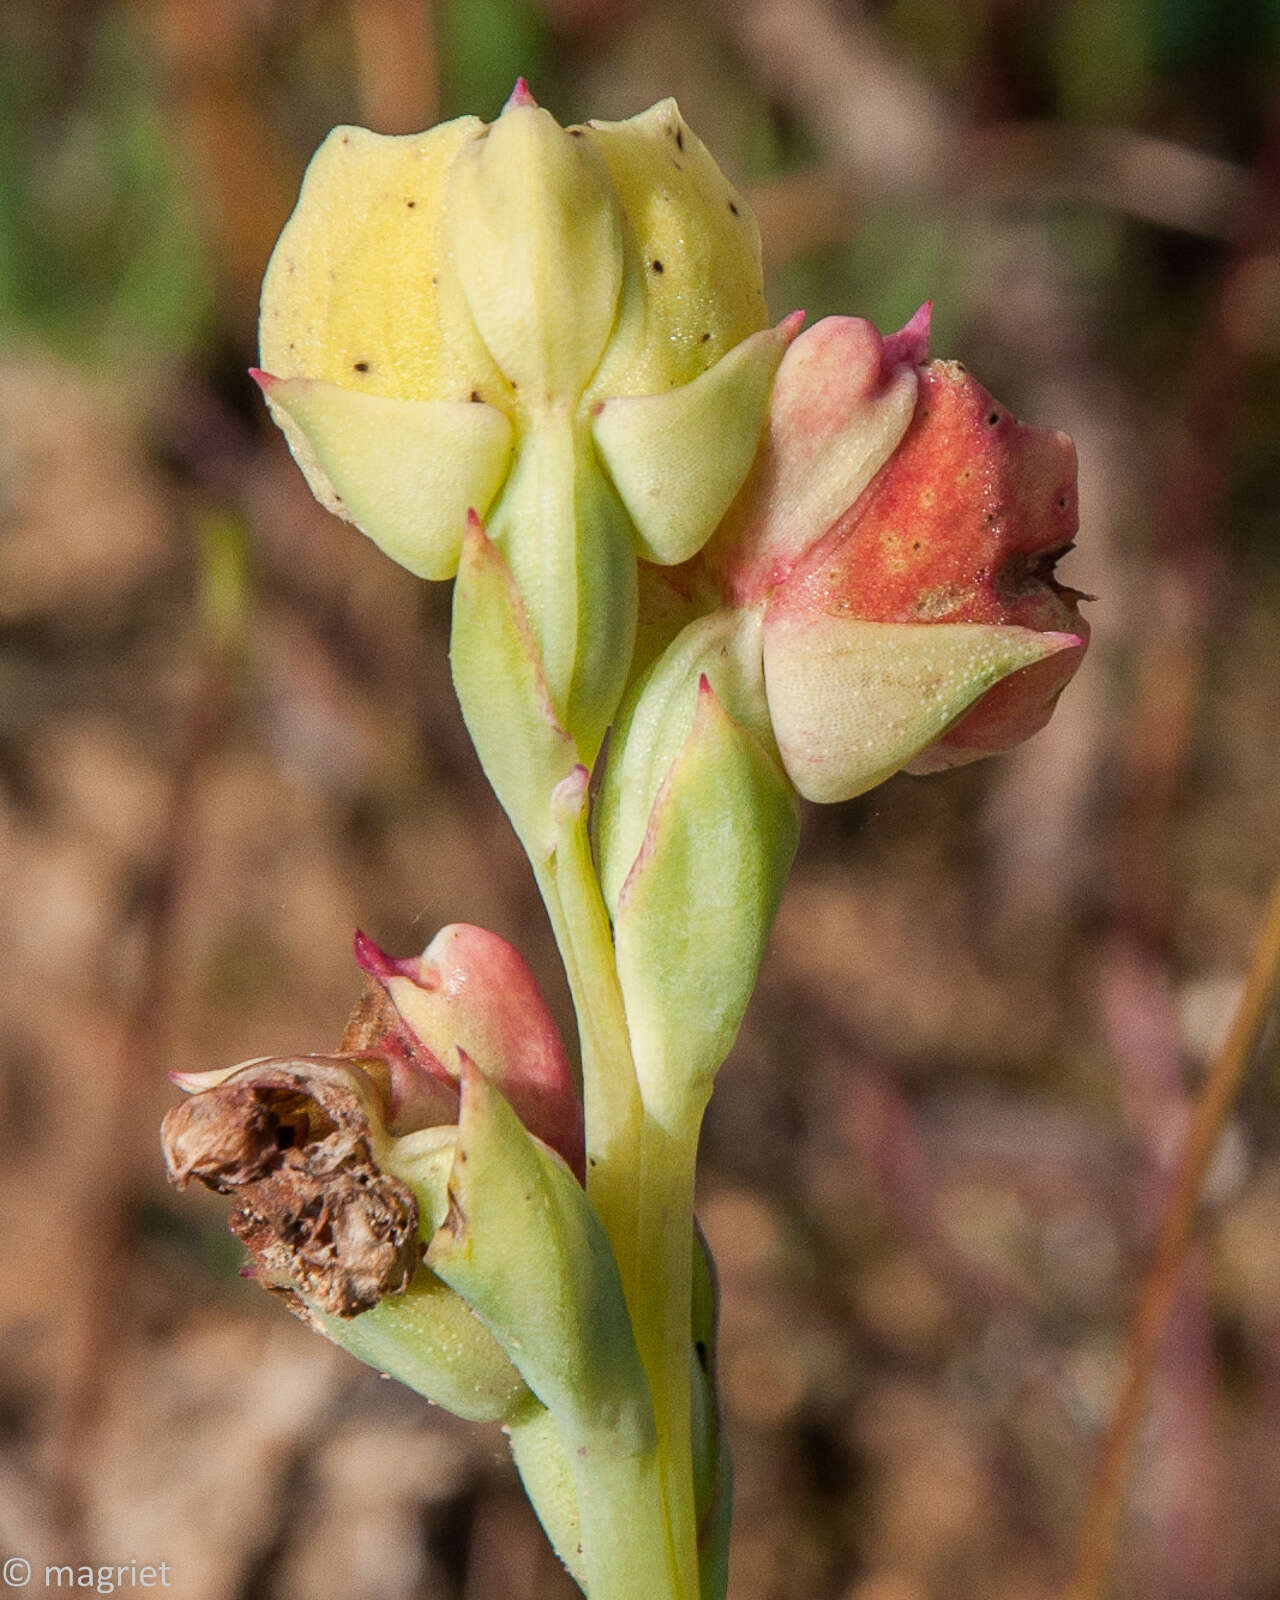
<point x="497" y="673"/>
<point x="654" y="723"/>
<point x="679" y="457"/>
<point x="522" y="1245"/>
<point x="406" y="472"/>
<point x="693" y="286"/>
<point x="568" y="542"/>
<point x="695" y="911"/>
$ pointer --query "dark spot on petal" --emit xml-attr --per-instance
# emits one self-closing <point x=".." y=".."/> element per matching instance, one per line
<point x="704" y="338"/>
<point x="475" y="397"/>
<point x="1062" y="502"/>
<point x="703" y="1354"/>
<point x="679" y="138"/>
<point x="657" y="266"/>
<point x="435" y="278"/>
<point x="993" y="419"/>
<point x="734" y="209"/>
<point x="575" y="133"/>
<point x="361" y="366"/>
<point x="915" y="544"/>
<point x="411" y="204"/>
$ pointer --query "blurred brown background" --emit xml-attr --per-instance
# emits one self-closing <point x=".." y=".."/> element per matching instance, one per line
<point x="227" y="736"/>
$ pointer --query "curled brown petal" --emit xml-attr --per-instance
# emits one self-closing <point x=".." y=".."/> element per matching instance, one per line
<point x="291" y="1140"/>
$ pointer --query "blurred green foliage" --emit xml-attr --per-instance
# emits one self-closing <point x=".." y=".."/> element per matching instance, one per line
<point x="106" y="247"/>
<point x="488" y="44"/>
<point x="101" y="251"/>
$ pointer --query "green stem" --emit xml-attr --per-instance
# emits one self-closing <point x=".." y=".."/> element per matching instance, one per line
<point x="601" y="1508"/>
<point x="640" y="1181"/>
<point x="662" y="1318"/>
<point x="626" y="1551"/>
<point x="614" y="1112"/>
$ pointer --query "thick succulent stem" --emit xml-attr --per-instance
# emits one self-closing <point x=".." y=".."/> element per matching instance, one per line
<point x="640" y="1180"/>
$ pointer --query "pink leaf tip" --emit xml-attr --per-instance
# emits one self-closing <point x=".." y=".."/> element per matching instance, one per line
<point x="910" y="345"/>
<point x="374" y="960"/>
<point x="519" y="96"/>
<point x="791" y="324"/>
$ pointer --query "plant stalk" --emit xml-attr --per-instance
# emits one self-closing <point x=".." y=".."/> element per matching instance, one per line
<point x="640" y="1179"/>
<point x="1106" y="1491"/>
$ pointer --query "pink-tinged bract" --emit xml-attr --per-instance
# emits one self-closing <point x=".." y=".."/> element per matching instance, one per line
<point x="472" y="993"/>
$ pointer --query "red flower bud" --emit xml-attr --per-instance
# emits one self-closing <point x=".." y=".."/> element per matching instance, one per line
<point x="899" y="533"/>
<point x="964" y="523"/>
<point x="472" y="993"/>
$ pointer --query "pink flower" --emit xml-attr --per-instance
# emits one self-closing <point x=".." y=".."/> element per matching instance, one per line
<point x="899" y="534"/>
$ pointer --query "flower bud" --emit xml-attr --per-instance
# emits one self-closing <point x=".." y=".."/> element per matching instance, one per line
<point x="897" y="537"/>
<point x="540" y="326"/>
<point x="925" y="627"/>
<point x="471" y="993"/>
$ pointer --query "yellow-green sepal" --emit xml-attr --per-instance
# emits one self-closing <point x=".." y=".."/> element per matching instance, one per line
<point x="534" y="231"/>
<point x="498" y="675"/>
<point x="359" y="290"/>
<point x="677" y="458"/>
<point x="693" y="286"/>
<point x="406" y="472"/>
<point x="852" y="702"/>
<point x="695" y="910"/>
